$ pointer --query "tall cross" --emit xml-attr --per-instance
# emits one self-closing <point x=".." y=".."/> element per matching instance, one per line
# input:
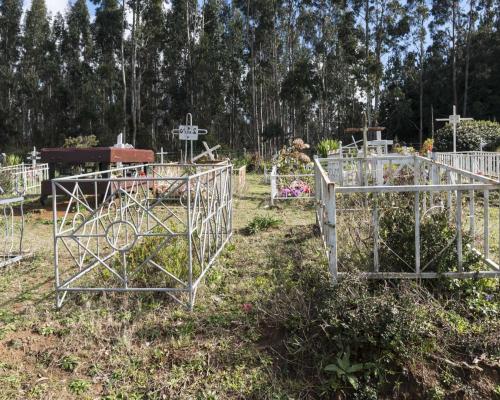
<point x="189" y="133"/>
<point x="454" y="120"/>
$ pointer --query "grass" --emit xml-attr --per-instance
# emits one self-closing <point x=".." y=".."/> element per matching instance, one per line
<point x="266" y="325"/>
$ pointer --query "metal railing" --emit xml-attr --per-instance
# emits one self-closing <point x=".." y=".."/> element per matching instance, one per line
<point x="24" y="179"/>
<point x="478" y="162"/>
<point x="141" y="228"/>
<point x="406" y="217"/>
<point x="11" y="230"/>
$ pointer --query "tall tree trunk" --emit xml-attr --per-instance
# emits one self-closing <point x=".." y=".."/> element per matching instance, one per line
<point x="454" y="51"/>
<point x="367" y="54"/>
<point x="467" y="56"/>
<point x="421" y="88"/>
<point x="133" y="94"/>
<point x="124" y="79"/>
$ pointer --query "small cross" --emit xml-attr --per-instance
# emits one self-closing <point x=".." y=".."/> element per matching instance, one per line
<point x="208" y="151"/>
<point x="454" y="120"/>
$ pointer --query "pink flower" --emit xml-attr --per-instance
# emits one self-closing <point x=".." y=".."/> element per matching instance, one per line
<point x="247" y="307"/>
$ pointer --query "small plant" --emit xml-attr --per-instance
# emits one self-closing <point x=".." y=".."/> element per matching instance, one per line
<point x="262" y="223"/>
<point x="345" y="370"/>
<point x="326" y="146"/>
<point x="79" y="386"/>
<point x="427" y="146"/>
<point x="69" y="363"/>
<point x="13" y="159"/>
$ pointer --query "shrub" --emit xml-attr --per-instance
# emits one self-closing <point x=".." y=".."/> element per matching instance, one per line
<point x="470" y="134"/>
<point x="326" y="146"/>
<point x="81" y="141"/>
<point x="427" y="146"/>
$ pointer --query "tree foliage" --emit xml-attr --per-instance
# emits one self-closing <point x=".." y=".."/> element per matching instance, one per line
<point x="254" y="73"/>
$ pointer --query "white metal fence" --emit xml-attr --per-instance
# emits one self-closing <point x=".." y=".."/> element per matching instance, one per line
<point x="479" y="162"/>
<point x="142" y="228"/>
<point x="23" y="179"/>
<point x="407" y="217"/>
<point x="11" y="230"/>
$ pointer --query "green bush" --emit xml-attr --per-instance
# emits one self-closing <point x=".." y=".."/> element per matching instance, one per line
<point x="326" y="146"/>
<point x="470" y="134"/>
<point x="81" y="141"/>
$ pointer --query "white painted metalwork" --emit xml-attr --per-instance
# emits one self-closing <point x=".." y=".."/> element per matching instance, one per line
<point x="209" y="152"/>
<point x="353" y="195"/>
<point x="485" y="163"/>
<point x="454" y="120"/>
<point x="24" y="179"/>
<point x="11" y="230"/>
<point x="188" y="133"/>
<point x="157" y="227"/>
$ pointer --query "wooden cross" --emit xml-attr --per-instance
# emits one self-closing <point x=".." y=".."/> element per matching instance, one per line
<point x="454" y="120"/>
<point x="208" y="152"/>
<point x="188" y="133"/>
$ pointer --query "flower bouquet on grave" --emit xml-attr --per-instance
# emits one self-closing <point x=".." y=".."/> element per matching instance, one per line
<point x="297" y="188"/>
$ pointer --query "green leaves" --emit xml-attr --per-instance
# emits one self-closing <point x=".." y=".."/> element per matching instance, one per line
<point x="326" y="146"/>
<point x="345" y="370"/>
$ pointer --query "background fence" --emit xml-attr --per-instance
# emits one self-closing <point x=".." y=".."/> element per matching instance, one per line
<point x="142" y="228"/>
<point x="23" y="179"/>
<point x="407" y="217"/>
<point x="479" y="162"/>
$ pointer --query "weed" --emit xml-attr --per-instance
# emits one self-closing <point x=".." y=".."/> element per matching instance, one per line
<point x="345" y="370"/>
<point x="69" y="363"/>
<point x="79" y="386"/>
<point x="262" y="223"/>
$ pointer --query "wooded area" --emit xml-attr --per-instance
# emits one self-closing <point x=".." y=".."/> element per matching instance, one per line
<point x="249" y="70"/>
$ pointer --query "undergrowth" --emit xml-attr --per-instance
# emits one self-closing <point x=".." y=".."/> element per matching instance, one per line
<point x="364" y="339"/>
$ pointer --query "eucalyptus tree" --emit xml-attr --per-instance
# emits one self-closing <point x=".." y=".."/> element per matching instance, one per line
<point x="33" y="69"/>
<point x="420" y="14"/>
<point x="107" y="31"/>
<point x="78" y="57"/>
<point x="10" y="46"/>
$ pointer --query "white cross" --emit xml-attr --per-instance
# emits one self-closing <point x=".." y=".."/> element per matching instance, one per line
<point x="33" y="156"/>
<point x="454" y="120"/>
<point x="189" y="133"/>
<point x="208" y="151"/>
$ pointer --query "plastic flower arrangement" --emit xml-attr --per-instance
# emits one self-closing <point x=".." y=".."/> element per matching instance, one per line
<point x="296" y="189"/>
<point x="293" y="161"/>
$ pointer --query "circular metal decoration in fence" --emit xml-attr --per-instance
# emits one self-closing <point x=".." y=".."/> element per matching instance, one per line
<point x="121" y="235"/>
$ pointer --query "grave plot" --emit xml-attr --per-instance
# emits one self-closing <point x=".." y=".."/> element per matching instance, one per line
<point x="292" y="175"/>
<point x="144" y="228"/>
<point x="407" y="217"/>
<point x="24" y="179"/>
<point x="11" y="230"/>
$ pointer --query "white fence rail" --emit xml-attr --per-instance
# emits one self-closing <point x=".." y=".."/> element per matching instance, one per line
<point x="142" y="228"/>
<point x="478" y="162"/>
<point x="23" y="179"/>
<point x="407" y="217"/>
<point x="11" y="230"/>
